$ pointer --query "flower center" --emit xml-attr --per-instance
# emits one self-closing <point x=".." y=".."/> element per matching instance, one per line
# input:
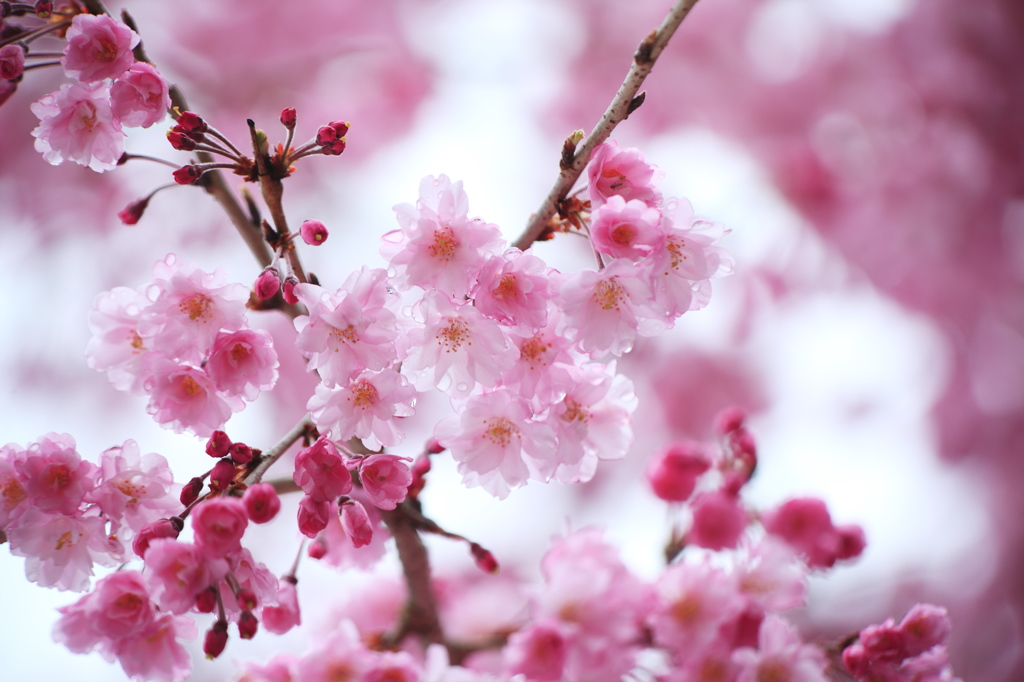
<point x="454" y="335"/>
<point x="196" y="307"/>
<point x="444" y="245"/>
<point x="533" y="350"/>
<point x="347" y="335"/>
<point x="501" y="431"/>
<point x="623" y="234"/>
<point x="239" y="353"/>
<point x="190" y="386"/>
<point x="506" y="286"/>
<point x="364" y="394"/>
<point x="574" y="412"/>
<point x="608" y="294"/>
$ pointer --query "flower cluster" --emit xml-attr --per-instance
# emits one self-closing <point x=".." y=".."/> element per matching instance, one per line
<point x="183" y="341"/>
<point x="84" y="120"/>
<point x="63" y="513"/>
<point x="911" y="651"/>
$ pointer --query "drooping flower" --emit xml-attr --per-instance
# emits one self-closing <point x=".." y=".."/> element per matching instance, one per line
<point x="365" y="407"/>
<point x="243" y="362"/>
<point x="140" y="97"/>
<point x="77" y="124"/>
<point x="626" y="229"/>
<point x="98" y="47"/>
<point x="621" y="172"/>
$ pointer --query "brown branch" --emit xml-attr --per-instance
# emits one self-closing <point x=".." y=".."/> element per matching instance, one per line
<point x="626" y="101"/>
<point x="270" y="456"/>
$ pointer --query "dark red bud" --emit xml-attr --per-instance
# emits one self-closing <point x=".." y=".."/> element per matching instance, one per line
<point x="190" y="491"/>
<point x="288" y="290"/>
<point x="216" y="640"/>
<point x="181" y="141"/>
<point x="219" y="445"/>
<point x="131" y="213"/>
<point x="206" y="601"/>
<point x="191" y="122"/>
<point x="316" y="550"/>
<point x="44" y="8"/>
<point x="247" y="625"/>
<point x="340" y="129"/>
<point x="268" y="284"/>
<point x="334" y="148"/>
<point x="222" y="475"/>
<point x="241" y="453"/>
<point x="288" y="117"/>
<point x="485" y="561"/>
<point x="326" y="135"/>
<point x="188" y="175"/>
<point x="247" y="599"/>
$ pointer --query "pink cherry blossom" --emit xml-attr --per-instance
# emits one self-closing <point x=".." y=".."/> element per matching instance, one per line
<point x="116" y="346"/>
<point x="98" y="47"/>
<point x="156" y="652"/>
<point x="621" y="172"/>
<point x="439" y="247"/>
<point x="12" y="488"/>
<point x="806" y="525"/>
<point x="543" y="368"/>
<point x="924" y="627"/>
<point x="281" y="617"/>
<point x="626" y="229"/>
<point x="321" y="472"/>
<point x="77" y="124"/>
<point x="771" y="576"/>
<point x="60" y="551"/>
<point x="673" y="471"/>
<point x="365" y="407"/>
<point x="183" y="397"/>
<point x="496" y="443"/>
<point x="781" y="655"/>
<point x="140" y="98"/>
<point x="356" y="523"/>
<point x="178" y="571"/>
<point x="219" y="524"/>
<point x="385" y="479"/>
<point x="457" y="349"/>
<point x="55" y="477"/>
<point x="134" y="489"/>
<point x="538" y="652"/>
<point x="261" y="502"/>
<point x="515" y="289"/>
<point x="162" y="528"/>
<point x="718" y="520"/>
<point x="12" y="61"/>
<point x="347" y="332"/>
<point x="243" y="362"/>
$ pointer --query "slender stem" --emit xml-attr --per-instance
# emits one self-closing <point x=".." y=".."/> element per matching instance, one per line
<point x="32" y="35"/>
<point x="270" y="456"/>
<point x="622" y="105"/>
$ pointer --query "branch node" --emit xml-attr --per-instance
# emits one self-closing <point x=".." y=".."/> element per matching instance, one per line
<point x="635" y="103"/>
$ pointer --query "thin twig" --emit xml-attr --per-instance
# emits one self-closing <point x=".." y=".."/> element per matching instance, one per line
<point x="270" y="456"/>
<point x="626" y="101"/>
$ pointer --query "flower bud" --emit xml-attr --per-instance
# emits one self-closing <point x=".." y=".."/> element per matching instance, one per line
<point x="191" y="122"/>
<point x="131" y="213"/>
<point x="261" y="502"/>
<point x="268" y="283"/>
<point x="356" y="523"/>
<point x="12" y="61"/>
<point x="190" y="491"/>
<point x="288" y="117"/>
<point x="206" y="601"/>
<point x="485" y="561"/>
<point x="313" y="232"/>
<point x="241" y="453"/>
<point x="246" y="599"/>
<point x="222" y="475"/>
<point x="188" y="175"/>
<point x="44" y="8"/>
<point x="316" y="550"/>
<point x="288" y="290"/>
<point x="247" y="625"/>
<point x="673" y="472"/>
<point x="325" y="135"/>
<point x="216" y="639"/>
<point x="181" y="141"/>
<point x="219" y="445"/>
<point x="164" y="528"/>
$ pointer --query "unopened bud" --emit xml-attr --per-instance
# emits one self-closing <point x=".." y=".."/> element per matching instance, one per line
<point x="316" y="550"/>
<point x="288" y="290"/>
<point x="188" y="175"/>
<point x="190" y="491"/>
<point x="288" y="117"/>
<point x="246" y="599"/>
<point x="180" y="141"/>
<point x="131" y="213"/>
<point x="261" y="502"/>
<point x="12" y="61"/>
<point x="164" y="528"/>
<point x="44" y="8"/>
<point x="313" y="232"/>
<point x="325" y="135"/>
<point x="247" y="625"/>
<point x="206" y="601"/>
<point x="241" y="453"/>
<point x="222" y="475"/>
<point x="191" y="122"/>
<point x="485" y="561"/>
<point x="219" y="445"/>
<point x="728" y="420"/>
<point x="216" y="639"/>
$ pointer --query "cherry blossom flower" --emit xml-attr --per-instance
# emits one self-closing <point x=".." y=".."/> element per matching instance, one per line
<point x="98" y="47"/>
<point x="140" y="97"/>
<point x="542" y="371"/>
<point x="77" y="124"/>
<point x="243" y="362"/>
<point x="365" y="407"/>
<point x="183" y="397"/>
<point x="281" y="617"/>
<point x="134" y="489"/>
<point x="621" y="172"/>
<point x="438" y="246"/>
<point x="626" y="229"/>
<point x="116" y="346"/>
<point x="219" y="524"/>
<point x="496" y="443"/>
<point x="457" y="349"/>
<point x="261" y="502"/>
<point x="156" y="652"/>
<point x="54" y="476"/>
<point x="781" y="655"/>
<point x="176" y="572"/>
<point x="356" y="523"/>
<point x="60" y="551"/>
<point x="673" y="471"/>
<point x="514" y="289"/>
<point x="12" y="61"/>
<point x="12" y="488"/>
<point x="321" y="472"/>
<point x="718" y="520"/>
<point x="385" y="479"/>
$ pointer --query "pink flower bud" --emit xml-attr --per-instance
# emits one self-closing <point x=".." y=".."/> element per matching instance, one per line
<point x="728" y="420"/>
<point x="335" y="148"/>
<point x="191" y="122"/>
<point x="434" y="447"/>
<point x="288" y="290"/>
<point x="924" y="627"/>
<point x="246" y="599"/>
<point x="856" y="660"/>
<point x="313" y="515"/>
<point x="219" y="525"/>
<point x="884" y="642"/>
<point x="261" y="502"/>
<point x="131" y="213"/>
<point x="385" y="479"/>
<point x="285" y="615"/>
<point x="241" y="453"/>
<point x="188" y="175"/>
<point x="190" y="491"/>
<point x="313" y="232"/>
<point x="718" y="521"/>
<point x="216" y="639"/>
<point x="673" y="472"/>
<point x="219" y="445"/>
<point x="420" y="469"/>
<point x="206" y="601"/>
<point x="340" y="129"/>
<point x="268" y="284"/>
<point x="44" y="8"/>
<point x="356" y="523"/>
<point x="12" y="61"/>
<point x="325" y="135"/>
<point x="288" y="117"/>
<point x="164" y="528"/>
<point x="485" y="561"/>
<point x="181" y="141"/>
<point x="851" y="541"/>
<point x="317" y="550"/>
<point x="222" y="475"/>
<point x="247" y="625"/>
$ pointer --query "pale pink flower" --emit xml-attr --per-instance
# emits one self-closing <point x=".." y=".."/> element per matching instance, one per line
<point x="439" y="247"/>
<point x="134" y="489"/>
<point x="385" y="479"/>
<point x="119" y="607"/>
<point x="281" y="617"/>
<point x="140" y="97"/>
<point x="344" y="543"/>
<point x="156" y="653"/>
<point x="366" y="407"/>
<point x="496" y="443"/>
<point x="12" y="61"/>
<point x="350" y="331"/>
<point x="243" y="363"/>
<point x="98" y="47"/>
<point x="457" y="349"/>
<point x="392" y="666"/>
<point x="626" y="229"/>
<point x="694" y="602"/>
<point x="178" y="571"/>
<point x="514" y="289"/>
<point x="340" y="655"/>
<point x="76" y="123"/>
<point x="542" y="371"/>
<point x="12" y="488"/>
<point x="781" y="655"/>
<point x="60" y="551"/>
<point x="321" y="472"/>
<point x="537" y="651"/>
<point x="116" y="346"/>
<point x="314" y="514"/>
<point x="593" y="421"/>
<point x="772" y="577"/>
<point x="54" y="476"/>
<point x="621" y="172"/>
<point x="605" y="310"/>
<point x="219" y="524"/>
<point x="190" y="307"/>
<point x="183" y="397"/>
